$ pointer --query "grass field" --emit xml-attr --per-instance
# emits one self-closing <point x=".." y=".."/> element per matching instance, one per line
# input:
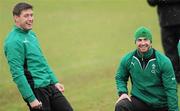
<point x="83" y="41"/>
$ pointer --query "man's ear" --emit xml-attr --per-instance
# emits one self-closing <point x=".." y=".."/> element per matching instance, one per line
<point x="16" y="18"/>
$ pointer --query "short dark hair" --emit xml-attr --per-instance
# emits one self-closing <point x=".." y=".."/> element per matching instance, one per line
<point x="18" y="8"/>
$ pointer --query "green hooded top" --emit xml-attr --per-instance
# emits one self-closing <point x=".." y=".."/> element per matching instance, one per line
<point x="152" y="77"/>
<point x="28" y="66"/>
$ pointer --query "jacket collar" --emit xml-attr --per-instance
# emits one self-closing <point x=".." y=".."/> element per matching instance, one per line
<point x="146" y="54"/>
<point x="20" y="29"/>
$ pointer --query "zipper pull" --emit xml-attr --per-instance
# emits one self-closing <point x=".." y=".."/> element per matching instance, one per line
<point x="143" y="63"/>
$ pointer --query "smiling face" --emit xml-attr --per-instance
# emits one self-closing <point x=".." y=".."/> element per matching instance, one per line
<point x="143" y="44"/>
<point x="25" y="19"/>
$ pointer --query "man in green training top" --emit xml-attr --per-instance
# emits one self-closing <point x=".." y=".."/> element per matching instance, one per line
<point x="154" y="86"/>
<point x="30" y="71"/>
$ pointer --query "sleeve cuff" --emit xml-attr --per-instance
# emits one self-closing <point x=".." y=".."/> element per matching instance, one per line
<point x="120" y="93"/>
<point x="30" y="99"/>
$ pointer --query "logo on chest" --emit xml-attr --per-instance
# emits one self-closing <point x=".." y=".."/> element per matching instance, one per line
<point x="25" y="41"/>
<point x="153" y="69"/>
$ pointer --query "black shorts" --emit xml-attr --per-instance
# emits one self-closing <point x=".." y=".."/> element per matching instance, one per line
<point x="135" y="105"/>
<point x="52" y="99"/>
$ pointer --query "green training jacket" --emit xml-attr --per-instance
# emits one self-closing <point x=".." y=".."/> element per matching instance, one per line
<point x="28" y="66"/>
<point x="152" y="77"/>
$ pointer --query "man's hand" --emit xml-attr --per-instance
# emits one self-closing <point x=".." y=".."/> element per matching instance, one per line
<point x="123" y="96"/>
<point x="60" y="87"/>
<point x="36" y="104"/>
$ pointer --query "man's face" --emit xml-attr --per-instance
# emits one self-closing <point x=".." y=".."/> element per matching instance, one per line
<point x="143" y="44"/>
<point x="25" y="19"/>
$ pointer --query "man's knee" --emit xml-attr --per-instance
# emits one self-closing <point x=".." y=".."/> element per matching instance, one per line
<point x="123" y="105"/>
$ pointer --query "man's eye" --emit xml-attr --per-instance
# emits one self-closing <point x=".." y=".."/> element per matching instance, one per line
<point x="25" y="15"/>
<point x="28" y="15"/>
<point x="145" y="39"/>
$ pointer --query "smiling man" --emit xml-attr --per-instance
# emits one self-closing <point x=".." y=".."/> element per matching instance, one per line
<point x="154" y="86"/>
<point x="34" y="78"/>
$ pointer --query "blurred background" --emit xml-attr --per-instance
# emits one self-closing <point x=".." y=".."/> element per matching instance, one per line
<point x="83" y="41"/>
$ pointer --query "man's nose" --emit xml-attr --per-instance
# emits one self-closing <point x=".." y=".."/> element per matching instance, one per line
<point x="142" y="42"/>
<point x="30" y="18"/>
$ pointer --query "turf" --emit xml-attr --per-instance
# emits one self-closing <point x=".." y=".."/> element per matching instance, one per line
<point x="83" y="41"/>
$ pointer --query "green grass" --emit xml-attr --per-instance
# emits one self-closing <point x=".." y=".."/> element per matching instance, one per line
<point x="83" y="41"/>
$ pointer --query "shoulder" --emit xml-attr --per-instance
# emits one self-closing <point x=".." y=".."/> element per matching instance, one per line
<point x="13" y="36"/>
<point x="32" y="33"/>
<point x="163" y="61"/>
<point x="13" y="39"/>
<point x="161" y="56"/>
<point x="127" y="57"/>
